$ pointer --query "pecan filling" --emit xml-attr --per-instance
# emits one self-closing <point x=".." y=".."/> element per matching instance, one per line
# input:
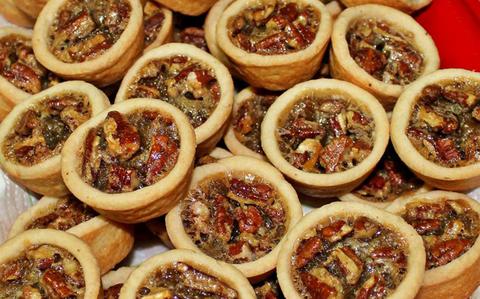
<point x="193" y="36"/>
<point x="248" y="119"/>
<point x="153" y="21"/>
<point x="326" y="135"/>
<point x="353" y="257"/>
<point x="128" y="152"/>
<point x="68" y="213"/>
<point x="181" y="81"/>
<point x="390" y="180"/>
<point x="385" y="53"/>
<point x="179" y="280"/>
<point x="85" y="29"/>
<point x="448" y="228"/>
<point x="41" y="131"/>
<point x="272" y="27"/>
<point x="113" y="292"/>
<point x="269" y="289"/>
<point x="42" y="271"/>
<point x="19" y="66"/>
<point x="235" y="219"/>
<point x="445" y="123"/>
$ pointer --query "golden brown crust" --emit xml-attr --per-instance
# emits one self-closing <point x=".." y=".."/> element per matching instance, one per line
<point x="45" y="177"/>
<point x="106" y="68"/>
<point x="143" y="204"/>
<point x="31" y="7"/>
<point x="344" y="67"/>
<point x="275" y="72"/>
<point x="407" y="6"/>
<point x="10" y="11"/>
<point x="325" y="185"/>
<point x="454" y="179"/>
<point x="188" y="7"/>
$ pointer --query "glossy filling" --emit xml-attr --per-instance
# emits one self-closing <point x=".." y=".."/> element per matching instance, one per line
<point x="40" y="131"/>
<point x="389" y="180"/>
<point x="449" y="228"/>
<point x="193" y="36"/>
<point x="128" y="152"/>
<point x="236" y="219"/>
<point x="445" y="123"/>
<point x="19" y="66"/>
<point x="268" y="289"/>
<point x="326" y="135"/>
<point x="179" y="280"/>
<point x="85" y="29"/>
<point x="113" y="292"/>
<point x="42" y="271"/>
<point x="67" y="213"/>
<point x="154" y="18"/>
<point x="181" y="81"/>
<point x="352" y="257"/>
<point x="272" y="27"/>
<point x="248" y="119"/>
<point x="384" y="52"/>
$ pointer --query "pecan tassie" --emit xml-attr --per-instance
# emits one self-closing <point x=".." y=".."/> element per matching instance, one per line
<point x="445" y="123"/>
<point x="326" y="135"/>
<point x="448" y="228"/>
<point x="273" y="27"/>
<point x="19" y="66"/>
<point x="351" y="257"/>
<point x="128" y="152"/>
<point x="235" y="219"/>
<point x="41" y="130"/>
<point x="42" y="271"/>
<point x="385" y="53"/>
<point x="154" y="18"/>
<point x="84" y="30"/>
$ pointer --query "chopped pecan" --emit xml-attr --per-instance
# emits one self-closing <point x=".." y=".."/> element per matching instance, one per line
<point x="431" y="93"/>
<point x="446" y="251"/>
<point x="122" y="179"/>
<point x="333" y="152"/>
<point x="371" y="60"/>
<point x="394" y="176"/>
<point x="45" y="263"/>
<point x="365" y="291"/>
<point x="389" y="253"/>
<point x="317" y="288"/>
<point x="427" y="226"/>
<point x="250" y="220"/>
<point x="204" y="77"/>
<point x="350" y="265"/>
<point x="78" y="27"/>
<point x="122" y="138"/>
<point x="152" y="24"/>
<point x="257" y="191"/>
<point x="27" y="123"/>
<point x="194" y="36"/>
<point x="56" y="286"/>
<point x="236" y="248"/>
<point x="23" y="77"/>
<point x="290" y="11"/>
<point x="304" y="129"/>
<point x="336" y="231"/>
<point x="455" y="96"/>
<point x="447" y="150"/>
<point x="113" y="292"/>
<point x="244" y="123"/>
<point x="376" y="182"/>
<point x="363" y="228"/>
<point x="12" y="271"/>
<point x="307" y="250"/>
<point x="162" y="150"/>
<point x="223" y="219"/>
<point x="274" y="43"/>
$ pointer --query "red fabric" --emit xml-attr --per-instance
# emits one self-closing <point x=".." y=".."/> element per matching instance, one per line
<point x="455" y="28"/>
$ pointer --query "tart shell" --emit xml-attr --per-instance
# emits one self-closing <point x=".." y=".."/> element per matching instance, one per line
<point x="275" y="72"/>
<point x="414" y="244"/>
<point x="344" y="67"/>
<point x="165" y="35"/>
<point x="324" y="185"/>
<point x="31" y="7"/>
<point x="460" y="277"/>
<point x="118" y="276"/>
<point x="45" y="177"/>
<point x="407" y="6"/>
<point x="110" y="242"/>
<point x="14" y="15"/>
<point x="188" y="7"/>
<point x="453" y="179"/>
<point x="143" y="204"/>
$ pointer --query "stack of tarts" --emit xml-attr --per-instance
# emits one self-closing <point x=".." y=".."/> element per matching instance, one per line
<point x="233" y="220"/>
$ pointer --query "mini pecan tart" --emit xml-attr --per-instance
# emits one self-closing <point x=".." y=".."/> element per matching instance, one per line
<point x="351" y="250"/>
<point x="275" y="44"/>
<point x="95" y="41"/>
<point x="113" y="281"/>
<point x="249" y="109"/>
<point x="190" y="79"/>
<point x="390" y="180"/>
<point x="381" y="50"/>
<point x="182" y="273"/>
<point x="237" y="210"/>
<point x="449" y="224"/>
<point x="157" y="26"/>
<point x="325" y="135"/>
<point x="407" y="6"/>
<point x="31" y="8"/>
<point x="46" y="263"/>
<point x="20" y="73"/>
<point x="188" y="7"/>
<point x="131" y="162"/>
<point x="33" y="134"/>
<point x="436" y="129"/>
<point x="110" y="242"/>
<point x="14" y="15"/>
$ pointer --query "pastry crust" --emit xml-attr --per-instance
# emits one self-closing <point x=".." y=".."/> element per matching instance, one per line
<point x="31" y="7"/>
<point x="220" y="270"/>
<point x="407" y="6"/>
<point x="103" y="70"/>
<point x="188" y="7"/>
<point x="414" y="245"/>
<point x="344" y="67"/>
<point x="454" y="179"/>
<point x="165" y="34"/>
<point x="110" y="242"/>
<point x="73" y="245"/>
<point x="281" y="71"/>
<point x="261" y="267"/>
<point x="333" y="184"/>
<point x="460" y="277"/>
<point x="118" y="276"/>
<point x="14" y="15"/>
<point x="211" y="131"/>
<point x="145" y="203"/>
<point x="45" y="177"/>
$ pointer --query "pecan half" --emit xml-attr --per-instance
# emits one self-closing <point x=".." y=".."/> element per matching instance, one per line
<point x="123" y="140"/>
<point x="257" y="191"/>
<point x="446" y="251"/>
<point x="317" y="288"/>
<point x="56" y="285"/>
<point x="307" y="250"/>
